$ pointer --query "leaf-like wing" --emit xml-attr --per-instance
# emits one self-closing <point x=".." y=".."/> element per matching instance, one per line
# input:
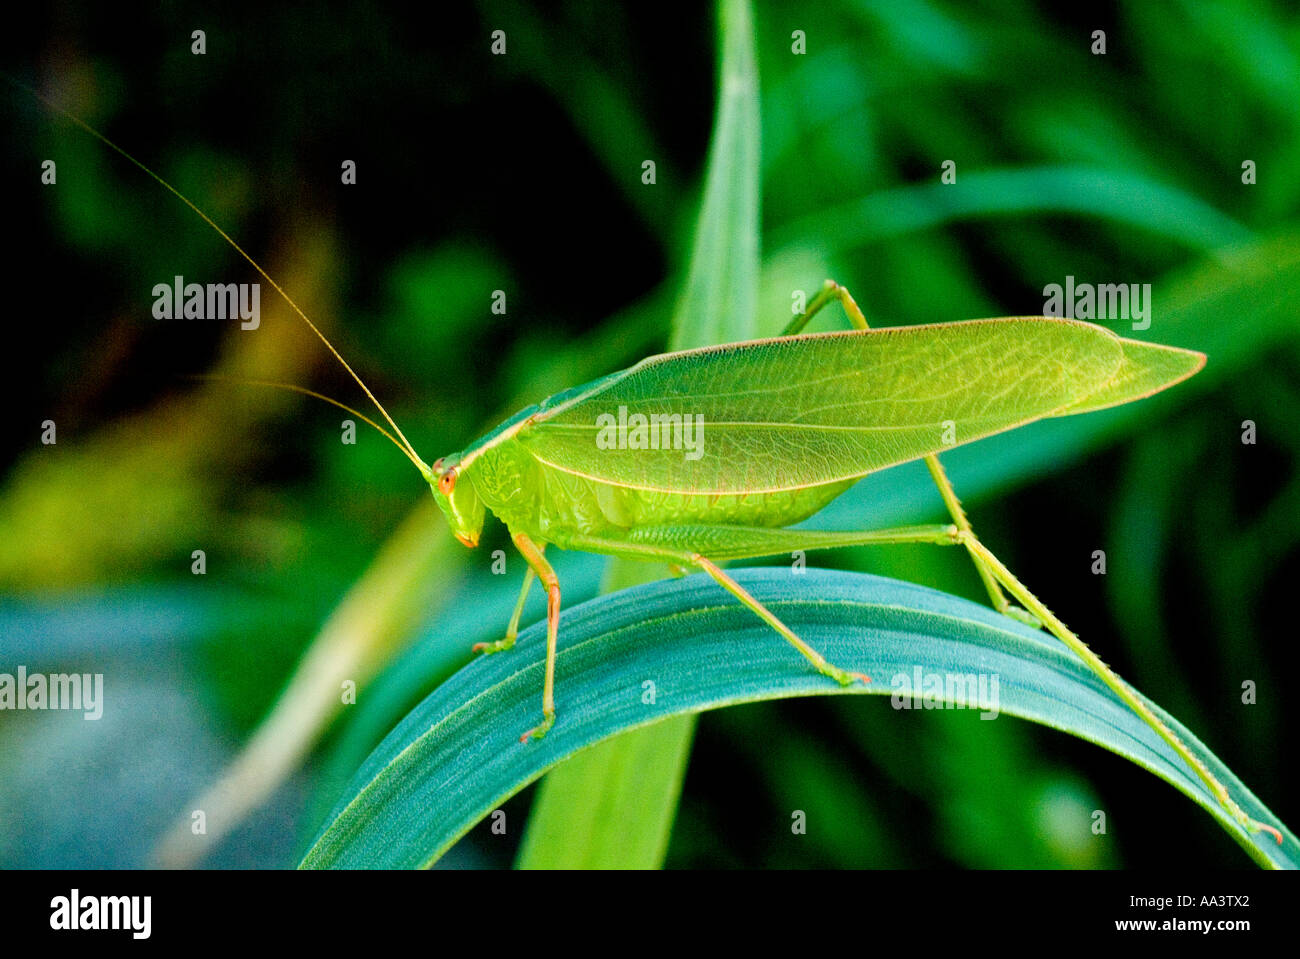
<point x="803" y="411"/>
<point x="1146" y="368"/>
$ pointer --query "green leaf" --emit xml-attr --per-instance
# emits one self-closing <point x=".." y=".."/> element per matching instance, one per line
<point x="457" y="756"/>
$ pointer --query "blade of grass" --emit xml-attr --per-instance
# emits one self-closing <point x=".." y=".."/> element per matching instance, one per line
<point x="613" y="806"/>
<point x="362" y="634"/>
<point x="638" y="773"/>
<point x="720" y="299"/>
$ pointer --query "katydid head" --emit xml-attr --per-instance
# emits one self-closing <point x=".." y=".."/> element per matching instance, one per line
<point x="459" y="501"/>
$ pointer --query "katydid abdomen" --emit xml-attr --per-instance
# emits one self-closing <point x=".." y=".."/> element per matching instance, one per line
<point x="549" y="504"/>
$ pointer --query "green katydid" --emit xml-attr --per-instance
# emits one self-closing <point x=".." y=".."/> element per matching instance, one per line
<point x="784" y="426"/>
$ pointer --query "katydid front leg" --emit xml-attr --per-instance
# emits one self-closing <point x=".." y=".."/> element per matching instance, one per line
<point x="834" y="291"/>
<point x="512" y="629"/>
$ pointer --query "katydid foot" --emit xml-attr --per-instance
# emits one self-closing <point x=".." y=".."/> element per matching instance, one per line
<point x="537" y="732"/>
<point x="843" y="676"/>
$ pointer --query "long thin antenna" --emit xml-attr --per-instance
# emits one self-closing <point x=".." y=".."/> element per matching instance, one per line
<point x="405" y="443"/>
<point x="294" y="388"/>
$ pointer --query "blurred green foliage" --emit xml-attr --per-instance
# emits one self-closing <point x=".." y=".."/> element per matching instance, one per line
<point x="523" y="173"/>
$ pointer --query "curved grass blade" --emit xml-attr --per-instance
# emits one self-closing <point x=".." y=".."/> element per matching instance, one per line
<point x="456" y="756"/>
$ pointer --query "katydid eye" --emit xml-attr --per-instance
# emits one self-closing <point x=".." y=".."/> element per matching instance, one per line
<point x="447" y="482"/>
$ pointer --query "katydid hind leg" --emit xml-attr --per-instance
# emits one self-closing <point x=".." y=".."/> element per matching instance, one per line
<point x="1117" y="685"/>
<point x="835" y="291"/>
<point x="844" y="677"/>
<point x="958" y="514"/>
<point x="830" y="291"/>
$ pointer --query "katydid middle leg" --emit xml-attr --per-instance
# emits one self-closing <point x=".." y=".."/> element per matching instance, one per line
<point x="532" y="552"/>
<point x="833" y="291"/>
<point x="659" y="543"/>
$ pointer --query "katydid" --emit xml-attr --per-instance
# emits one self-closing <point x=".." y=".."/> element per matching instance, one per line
<point x="782" y="427"/>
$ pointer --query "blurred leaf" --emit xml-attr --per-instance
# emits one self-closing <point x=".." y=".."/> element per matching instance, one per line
<point x="1114" y="195"/>
<point x="601" y="108"/>
<point x="146" y="489"/>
